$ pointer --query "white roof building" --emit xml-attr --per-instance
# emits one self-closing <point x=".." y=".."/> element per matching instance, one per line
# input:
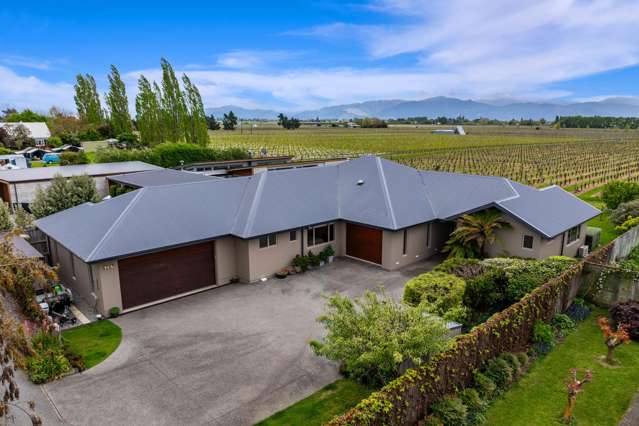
<point x="38" y="131"/>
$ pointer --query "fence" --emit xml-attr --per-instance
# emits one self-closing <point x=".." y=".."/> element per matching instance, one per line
<point x="406" y="400"/>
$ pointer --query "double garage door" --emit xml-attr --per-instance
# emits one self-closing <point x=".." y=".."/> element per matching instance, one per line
<point x="156" y="276"/>
<point x="364" y="243"/>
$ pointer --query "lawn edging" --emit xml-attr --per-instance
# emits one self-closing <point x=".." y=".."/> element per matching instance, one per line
<point x="406" y="400"/>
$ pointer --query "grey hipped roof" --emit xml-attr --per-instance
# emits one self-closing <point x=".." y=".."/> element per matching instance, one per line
<point x="159" y="177"/>
<point x="368" y="190"/>
<point x="93" y="169"/>
<point x="21" y="247"/>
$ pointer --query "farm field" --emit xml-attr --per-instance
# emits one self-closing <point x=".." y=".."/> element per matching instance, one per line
<point x="577" y="159"/>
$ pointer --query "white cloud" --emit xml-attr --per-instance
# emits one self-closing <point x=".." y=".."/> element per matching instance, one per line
<point x="30" y="92"/>
<point x="26" y="62"/>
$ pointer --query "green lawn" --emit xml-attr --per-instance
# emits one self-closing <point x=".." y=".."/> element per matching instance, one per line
<point x="538" y="398"/>
<point x="94" y="341"/>
<point x="608" y="231"/>
<point x="322" y="406"/>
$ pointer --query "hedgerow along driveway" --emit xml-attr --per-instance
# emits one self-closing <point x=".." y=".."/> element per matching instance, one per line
<point x="229" y="356"/>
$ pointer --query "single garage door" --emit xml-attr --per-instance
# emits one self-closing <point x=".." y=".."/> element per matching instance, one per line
<point x="364" y="243"/>
<point x="155" y="276"/>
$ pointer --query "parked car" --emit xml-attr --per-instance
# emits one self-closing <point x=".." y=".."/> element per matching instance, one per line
<point x="51" y="157"/>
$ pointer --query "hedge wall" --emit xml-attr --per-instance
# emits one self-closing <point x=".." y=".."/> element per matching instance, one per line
<point x="405" y="401"/>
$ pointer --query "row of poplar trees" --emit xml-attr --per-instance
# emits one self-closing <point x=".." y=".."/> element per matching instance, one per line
<point x="164" y="113"/>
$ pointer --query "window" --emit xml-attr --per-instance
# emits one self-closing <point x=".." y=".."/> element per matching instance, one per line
<point x="293" y="235"/>
<point x="528" y="241"/>
<point x="573" y="234"/>
<point x="404" y="242"/>
<point x="320" y="234"/>
<point x="268" y="240"/>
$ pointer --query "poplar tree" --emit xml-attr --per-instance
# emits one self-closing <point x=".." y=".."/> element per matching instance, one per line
<point x="148" y="113"/>
<point x="118" y="104"/>
<point x="195" y="130"/>
<point x="87" y="100"/>
<point x="173" y="106"/>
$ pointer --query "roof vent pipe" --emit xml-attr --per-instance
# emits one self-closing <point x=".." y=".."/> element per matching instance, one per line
<point x="360" y="182"/>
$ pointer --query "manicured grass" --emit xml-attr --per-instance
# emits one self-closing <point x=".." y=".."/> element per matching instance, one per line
<point x="322" y="406"/>
<point x="538" y="399"/>
<point x="94" y="341"/>
<point x="608" y="231"/>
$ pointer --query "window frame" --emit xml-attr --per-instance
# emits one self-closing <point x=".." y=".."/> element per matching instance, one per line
<point x="292" y="235"/>
<point x="270" y="239"/>
<point x="532" y="242"/>
<point x="577" y="230"/>
<point x="310" y="234"/>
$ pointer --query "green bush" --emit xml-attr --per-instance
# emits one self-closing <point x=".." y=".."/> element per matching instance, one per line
<point x="4" y="151"/>
<point x="463" y="268"/>
<point x="49" y="361"/>
<point x="624" y="211"/>
<point x="313" y="259"/>
<point x="475" y="405"/>
<point x="486" y="294"/>
<point x="523" y="358"/>
<point x="512" y="360"/>
<point x="500" y="372"/>
<point x="617" y="192"/>
<point x="563" y="324"/>
<point x="484" y="385"/>
<point x="451" y="411"/>
<point x="54" y="141"/>
<point x="301" y="262"/>
<point x="114" y="311"/>
<point x="543" y="333"/>
<point x="437" y="292"/>
<point x="628" y="224"/>
<point x="170" y="154"/>
<point x="69" y="158"/>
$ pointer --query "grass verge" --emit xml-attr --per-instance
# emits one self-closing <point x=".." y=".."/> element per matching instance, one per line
<point x="94" y="341"/>
<point x="538" y="399"/>
<point x="322" y="406"/>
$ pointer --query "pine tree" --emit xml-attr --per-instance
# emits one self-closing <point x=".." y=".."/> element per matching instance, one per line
<point x="196" y="130"/>
<point x="173" y="106"/>
<point x="148" y="113"/>
<point x="87" y="100"/>
<point x="118" y="103"/>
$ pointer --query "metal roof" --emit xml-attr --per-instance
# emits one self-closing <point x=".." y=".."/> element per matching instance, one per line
<point x="159" y="177"/>
<point x="368" y="190"/>
<point x="93" y="169"/>
<point x="37" y="130"/>
<point x="21" y="247"/>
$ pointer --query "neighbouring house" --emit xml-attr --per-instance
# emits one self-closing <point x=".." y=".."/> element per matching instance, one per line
<point x="132" y="181"/>
<point x="13" y="161"/>
<point x="251" y="166"/>
<point x="18" y="187"/>
<point x="164" y="241"/>
<point x="457" y="130"/>
<point x="21" y="247"/>
<point x="38" y="131"/>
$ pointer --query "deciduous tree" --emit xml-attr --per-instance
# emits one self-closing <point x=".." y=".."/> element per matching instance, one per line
<point x="63" y="194"/>
<point x="196" y="130"/>
<point x="118" y="103"/>
<point x="87" y="100"/>
<point x="612" y="338"/>
<point x="173" y="105"/>
<point x="149" y="113"/>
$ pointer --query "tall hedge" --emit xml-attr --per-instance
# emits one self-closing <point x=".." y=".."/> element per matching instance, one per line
<point x="170" y="154"/>
<point x="406" y="400"/>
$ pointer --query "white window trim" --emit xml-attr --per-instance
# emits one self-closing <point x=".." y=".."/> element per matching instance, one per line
<point x="268" y="241"/>
<point x="523" y="240"/>
<point x="569" y="243"/>
<point x="328" y="225"/>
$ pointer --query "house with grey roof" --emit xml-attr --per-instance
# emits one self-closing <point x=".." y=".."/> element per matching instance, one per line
<point x="18" y="186"/>
<point x="164" y="241"/>
<point x="38" y="131"/>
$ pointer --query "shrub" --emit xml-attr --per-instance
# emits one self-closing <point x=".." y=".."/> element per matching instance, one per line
<point x="63" y="194"/>
<point x="114" y="311"/>
<point x="451" y="411"/>
<point x="616" y="192"/>
<point x="624" y="211"/>
<point x="70" y="158"/>
<point x="313" y="259"/>
<point x="301" y="262"/>
<point x="485" y="295"/>
<point x="5" y="217"/>
<point x="475" y="406"/>
<point x="48" y="363"/>
<point x="432" y="421"/>
<point x="485" y="385"/>
<point x="54" y="141"/>
<point x="627" y="314"/>
<point x="500" y="372"/>
<point x="512" y="360"/>
<point x="578" y="311"/>
<point x="437" y="292"/>
<point x="373" y="335"/>
<point x="543" y="338"/>
<point x="463" y="268"/>
<point x="563" y="324"/>
<point x="523" y="358"/>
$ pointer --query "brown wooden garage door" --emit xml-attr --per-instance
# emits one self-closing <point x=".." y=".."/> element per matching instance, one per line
<point x="155" y="276"/>
<point x="364" y="243"/>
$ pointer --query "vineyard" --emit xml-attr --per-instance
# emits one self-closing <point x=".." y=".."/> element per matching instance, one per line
<point x="577" y="159"/>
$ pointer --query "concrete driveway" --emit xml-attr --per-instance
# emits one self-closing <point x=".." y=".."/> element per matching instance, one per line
<point x="229" y="356"/>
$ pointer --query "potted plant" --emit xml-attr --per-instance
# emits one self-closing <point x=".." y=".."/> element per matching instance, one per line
<point x="323" y="257"/>
<point x="300" y="263"/>
<point x="313" y="259"/>
<point x="114" y="312"/>
<point x="330" y="253"/>
<point x="281" y="274"/>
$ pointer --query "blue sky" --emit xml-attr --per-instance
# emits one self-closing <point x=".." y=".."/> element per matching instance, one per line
<point x="297" y="55"/>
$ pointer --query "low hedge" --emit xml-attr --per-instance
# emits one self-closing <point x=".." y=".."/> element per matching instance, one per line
<point x="406" y="400"/>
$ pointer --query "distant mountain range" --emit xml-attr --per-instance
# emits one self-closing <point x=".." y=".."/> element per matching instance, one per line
<point x="448" y="107"/>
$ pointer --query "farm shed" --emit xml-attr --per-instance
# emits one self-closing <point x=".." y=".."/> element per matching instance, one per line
<point x="18" y="187"/>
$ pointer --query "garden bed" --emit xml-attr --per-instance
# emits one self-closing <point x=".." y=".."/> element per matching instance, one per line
<point x="540" y="396"/>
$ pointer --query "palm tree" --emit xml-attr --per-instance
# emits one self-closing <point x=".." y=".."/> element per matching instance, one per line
<point x="474" y="232"/>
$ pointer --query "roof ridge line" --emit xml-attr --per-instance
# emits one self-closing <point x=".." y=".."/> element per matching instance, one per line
<point x="432" y="207"/>
<point x="258" y="195"/>
<point x="387" y="199"/>
<point x="240" y="204"/>
<point x="115" y="223"/>
<point x="512" y="197"/>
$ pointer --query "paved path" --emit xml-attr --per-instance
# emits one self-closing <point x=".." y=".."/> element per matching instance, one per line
<point x="228" y="356"/>
<point x="631" y="418"/>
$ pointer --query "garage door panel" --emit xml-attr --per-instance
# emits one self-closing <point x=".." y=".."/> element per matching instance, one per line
<point x="364" y="243"/>
<point x="155" y="276"/>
